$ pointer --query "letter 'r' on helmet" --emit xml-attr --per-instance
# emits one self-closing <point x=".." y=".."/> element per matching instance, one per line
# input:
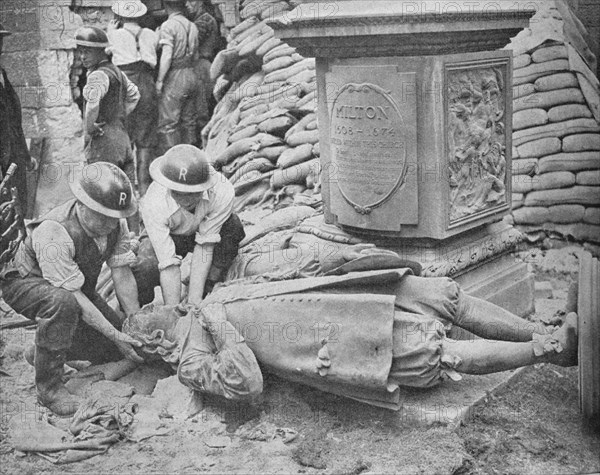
<point x="104" y="187"/>
<point x="184" y="168"/>
<point x="91" y="37"/>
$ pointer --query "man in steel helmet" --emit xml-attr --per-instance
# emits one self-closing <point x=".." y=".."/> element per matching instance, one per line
<point x="109" y="96"/>
<point x="187" y="208"/>
<point x="54" y="274"/>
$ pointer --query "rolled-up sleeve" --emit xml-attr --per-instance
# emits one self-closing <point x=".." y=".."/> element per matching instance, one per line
<point x="55" y="253"/>
<point x="220" y="209"/>
<point x="157" y="227"/>
<point x="231" y="372"/>
<point x="122" y="255"/>
<point x="166" y="35"/>
<point x="96" y="87"/>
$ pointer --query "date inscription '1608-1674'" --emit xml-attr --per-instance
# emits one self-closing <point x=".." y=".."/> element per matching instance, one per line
<point x="367" y="147"/>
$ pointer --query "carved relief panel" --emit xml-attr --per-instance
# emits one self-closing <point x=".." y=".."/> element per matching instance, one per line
<point x="477" y="139"/>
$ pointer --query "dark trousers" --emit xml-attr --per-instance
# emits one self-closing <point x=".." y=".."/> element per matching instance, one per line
<point x="146" y="272"/>
<point x="58" y="315"/>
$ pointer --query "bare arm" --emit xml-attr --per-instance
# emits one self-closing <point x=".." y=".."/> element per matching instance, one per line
<point x="94" y="318"/>
<point x="126" y="289"/>
<point x="201" y="262"/>
<point x="170" y="284"/>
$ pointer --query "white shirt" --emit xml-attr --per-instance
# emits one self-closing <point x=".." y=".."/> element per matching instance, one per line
<point x="162" y="217"/>
<point x="123" y="45"/>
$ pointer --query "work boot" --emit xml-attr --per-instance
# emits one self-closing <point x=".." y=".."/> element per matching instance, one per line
<point x="566" y="335"/>
<point x="51" y="391"/>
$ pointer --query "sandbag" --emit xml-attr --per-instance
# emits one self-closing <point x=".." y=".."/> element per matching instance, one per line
<point x="253" y="30"/>
<point x="523" y="90"/>
<point x="258" y="118"/>
<point x="308" y="102"/>
<point x="524" y="166"/>
<point x="254" y="111"/>
<point x="585" y="195"/>
<point x="281" y="50"/>
<point x="304" y="76"/>
<point x="524" y="119"/>
<point x="300" y="125"/>
<point x="522" y="183"/>
<point x="545" y="100"/>
<point x="540" y="148"/>
<point x="252" y="195"/>
<point x="589" y="177"/>
<point x="592" y="216"/>
<point x="267" y="46"/>
<point x="236" y="164"/>
<point x="273" y="10"/>
<point x="286" y="73"/>
<point x="521" y="60"/>
<point x="246" y="132"/>
<point x="302" y="137"/>
<point x="566" y="213"/>
<point x="555" y="129"/>
<point x="549" y="53"/>
<point x="548" y="181"/>
<point x="570" y="162"/>
<point x="517" y="200"/>
<point x="278" y="63"/>
<point x="277" y="125"/>
<point x="553" y="82"/>
<point x="271" y="153"/>
<point x="294" y="156"/>
<point x="255" y="164"/>
<point x="581" y="143"/>
<point x="251" y="46"/>
<point x="568" y="111"/>
<point x="223" y="62"/>
<point x="536" y="70"/>
<point x="293" y="174"/>
<point x="531" y="215"/>
<point x="241" y="27"/>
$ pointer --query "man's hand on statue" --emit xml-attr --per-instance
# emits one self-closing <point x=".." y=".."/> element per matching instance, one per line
<point x="159" y="87"/>
<point x="213" y="316"/>
<point x="97" y="130"/>
<point x="126" y="346"/>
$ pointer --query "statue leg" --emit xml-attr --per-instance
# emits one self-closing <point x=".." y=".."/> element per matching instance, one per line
<point x="488" y="320"/>
<point x="485" y="356"/>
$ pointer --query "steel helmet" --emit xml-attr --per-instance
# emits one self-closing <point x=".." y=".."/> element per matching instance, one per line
<point x="129" y="8"/>
<point x="104" y="187"/>
<point x="91" y="37"/>
<point x="184" y="168"/>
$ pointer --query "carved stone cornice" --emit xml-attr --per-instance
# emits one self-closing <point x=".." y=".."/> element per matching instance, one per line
<point x="359" y="28"/>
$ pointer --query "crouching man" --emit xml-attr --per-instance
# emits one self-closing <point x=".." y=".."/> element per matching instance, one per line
<point x="53" y="277"/>
<point x="188" y="208"/>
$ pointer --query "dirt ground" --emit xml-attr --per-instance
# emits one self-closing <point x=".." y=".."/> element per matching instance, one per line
<point x="531" y="426"/>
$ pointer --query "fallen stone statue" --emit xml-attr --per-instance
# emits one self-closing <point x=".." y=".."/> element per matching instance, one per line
<point x="360" y="335"/>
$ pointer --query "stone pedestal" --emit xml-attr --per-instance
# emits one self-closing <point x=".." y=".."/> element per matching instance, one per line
<point x="415" y="109"/>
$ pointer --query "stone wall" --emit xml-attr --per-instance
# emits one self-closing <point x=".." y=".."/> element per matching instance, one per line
<point x="37" y="58"/>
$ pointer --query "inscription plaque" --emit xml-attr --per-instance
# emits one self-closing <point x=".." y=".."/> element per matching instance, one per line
<point x="476" y="139"/>
<point x="368" y="151"/>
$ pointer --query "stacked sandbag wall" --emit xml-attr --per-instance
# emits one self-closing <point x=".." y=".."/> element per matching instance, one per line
<point x="263" y="134"/>
<point x="556" y="149"/>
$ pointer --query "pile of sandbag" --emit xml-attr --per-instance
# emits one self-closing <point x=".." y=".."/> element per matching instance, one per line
<point x="556" y="134"/>
<point x="263" y="134"/>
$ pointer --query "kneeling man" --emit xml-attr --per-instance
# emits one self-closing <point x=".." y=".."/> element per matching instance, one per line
<point x="53" y="278"/>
